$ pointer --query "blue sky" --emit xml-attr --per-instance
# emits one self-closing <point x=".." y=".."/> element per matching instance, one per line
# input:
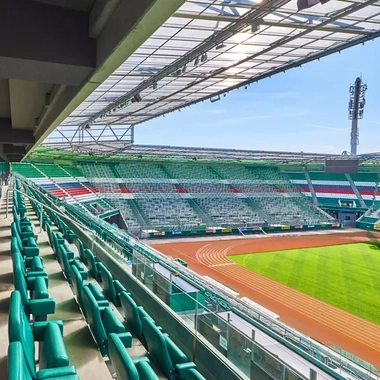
<point x="304" y="109"/>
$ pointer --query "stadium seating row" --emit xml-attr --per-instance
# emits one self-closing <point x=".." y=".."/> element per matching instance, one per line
<point x="30" y="301"/>
<point x="108" y="331"/>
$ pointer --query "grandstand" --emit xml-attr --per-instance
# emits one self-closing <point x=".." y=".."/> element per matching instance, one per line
<point x="181" y="196"/>
<point x="167" y="196"/>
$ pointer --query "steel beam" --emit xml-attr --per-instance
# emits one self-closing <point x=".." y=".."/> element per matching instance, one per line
<point x="16" y="136"/>
<point x="131" y="24"/>
<point x="13" y="149"/>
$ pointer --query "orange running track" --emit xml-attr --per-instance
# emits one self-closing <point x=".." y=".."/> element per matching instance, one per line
<point x="317" y="319"/>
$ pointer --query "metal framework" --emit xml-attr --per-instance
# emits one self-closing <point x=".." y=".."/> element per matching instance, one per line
<point x="187" y="153"/>
<point x="97" y="139"/>
<point x="210" y="47"/>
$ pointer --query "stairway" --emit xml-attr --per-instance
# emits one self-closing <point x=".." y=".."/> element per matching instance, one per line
<point x="356" y="191"/>
<point x="82" y="184"/>
<point x="254" y="207"/>
<point x="207" y="220"/>
<point x="114" y="171"/>
<point x="51" y="179"/>
<point x="140" y="216"/>
<point x="311" y="187"/>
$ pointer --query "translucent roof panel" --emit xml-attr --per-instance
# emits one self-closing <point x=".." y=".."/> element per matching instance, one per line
<point x="209" y="47"/>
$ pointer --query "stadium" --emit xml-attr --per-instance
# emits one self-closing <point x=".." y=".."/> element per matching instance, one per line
<point x="135" y="261"/>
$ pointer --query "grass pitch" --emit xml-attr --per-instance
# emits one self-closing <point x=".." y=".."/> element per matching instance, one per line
<point x="346" y="276"/>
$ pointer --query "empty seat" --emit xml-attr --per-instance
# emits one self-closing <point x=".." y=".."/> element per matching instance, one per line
<point x="102" y="322"/>
<point x="134" y="315"/>
<point x="52" y="352"/>
<point x="65" y="263"/>
<point x="125" y="367"/>
<point x="39" y="303"/>
<point x="92" y="265"/>
<point x="27" y="246"/>
<point x="172" y="361"/>
<point x="78" y="284"/>
<point x="81" y="249"/>
<point x="112" y="288"/>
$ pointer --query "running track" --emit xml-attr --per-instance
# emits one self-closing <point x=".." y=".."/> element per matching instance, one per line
<point x="315" y="318"/>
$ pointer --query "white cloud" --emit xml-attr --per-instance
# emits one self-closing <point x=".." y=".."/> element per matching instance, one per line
<point x="325" y="127"/>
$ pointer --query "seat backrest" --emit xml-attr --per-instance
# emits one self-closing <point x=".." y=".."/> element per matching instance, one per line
<point x="19" y="278"/>
<point x="57" y="240"/>
<point x="193" y="374"/>
<point x="91" y="263"/>
<point x="145" y="370"/>
<point x="176" y="355"/>
<point x="16" y="362"/>
<point x="131" y="313"/>
<point x="15" y="248"/>
<point x="77" y="281"/>
<point x="93" y="316"/>
<point x="54" y="352"/>
<point x="49" y="232"/>
<point x="65" y="261"/>
<point x="107" y="280"/>
<point x="80" y="247"/>
<point x="121" y="361"/>
<point x="14" y="231"/>
<point x="157" y="346"/>
<point x="19" y="330"/>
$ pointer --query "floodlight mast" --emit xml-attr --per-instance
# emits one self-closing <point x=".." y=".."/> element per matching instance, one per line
<point x="356" y="110"/>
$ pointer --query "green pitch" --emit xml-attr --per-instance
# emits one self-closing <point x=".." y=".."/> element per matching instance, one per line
<point x="346" y="276"/>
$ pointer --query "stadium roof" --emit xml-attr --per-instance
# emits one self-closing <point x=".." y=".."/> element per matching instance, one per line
<point x="204" y="50"/>
<point x="161" y="152"/>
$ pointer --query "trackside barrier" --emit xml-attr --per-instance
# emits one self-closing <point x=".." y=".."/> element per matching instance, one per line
<point x="242" y="230"/>
<point x="271" y="327"/>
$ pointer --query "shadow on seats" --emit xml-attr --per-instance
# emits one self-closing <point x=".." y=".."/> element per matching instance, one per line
<point x="70" y="307"/>
<point x="6" y="279"/>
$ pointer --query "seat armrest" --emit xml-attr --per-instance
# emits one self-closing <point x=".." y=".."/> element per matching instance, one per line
<point x="103" y="303"/>
<point x="126" y="339"/>
<point x="96" y="292"/>
<point x="40" y="307"/>
<point x="40" y="290"/>
<point x="182" y="369"/>
<point x="39" y="328"/>
<point x="54" y="373"/>
<point x="31" y="273"/>
<point x="36" y="264"/>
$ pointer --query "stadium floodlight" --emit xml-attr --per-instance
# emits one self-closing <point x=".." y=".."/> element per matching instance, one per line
<point x="356" y="110"/>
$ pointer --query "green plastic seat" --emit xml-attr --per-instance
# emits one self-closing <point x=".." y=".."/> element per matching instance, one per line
<point x="81" y="249"/>
<point x="125" y="367"/>
<point x="172" y="361"/>
<point x="27" y="246"/>
<point x="16" y="361"/>
<point x="102" y="322"/>
<point x="92" y="265"/>
<point x="193" y="374"/>
<point x="39" y="304"/>
<point x="133" y="315"/>
<point x="65" y="263"/>
<point x="35" y="263"/>
<point x="111" y="287"/>
<point x="78" y="284"/>
<point x="52" y="350"/>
